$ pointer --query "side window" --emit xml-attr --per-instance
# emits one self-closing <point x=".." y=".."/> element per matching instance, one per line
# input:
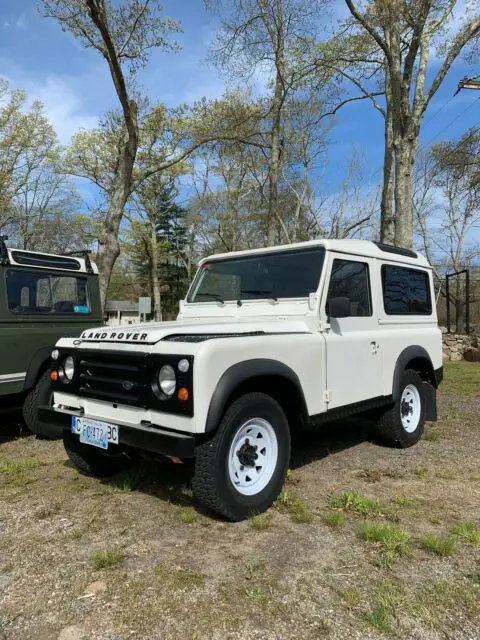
<point x="29" y="292"/>
<point x="406" y="292"/>
<point x="351" y="280"/>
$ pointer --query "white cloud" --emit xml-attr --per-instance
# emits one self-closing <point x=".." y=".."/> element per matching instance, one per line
<point x="63" y="105"/>
<point x="62" y="95"/>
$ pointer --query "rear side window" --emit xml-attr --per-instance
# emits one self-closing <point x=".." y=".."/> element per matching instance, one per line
<point x="406" y="292"/>
<point x="40" y="293"/>
<point x="351" y="279"/>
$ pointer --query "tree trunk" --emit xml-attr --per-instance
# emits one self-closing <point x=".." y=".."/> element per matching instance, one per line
<point x="274" y="165"/>
<point x="157" y="299"/>
<point x="108" y="244"/>
<point x="460" y="326"/>
<point x="278" y="41"/>
<point x="404" y="160"/>
<point x="387" y="222"/>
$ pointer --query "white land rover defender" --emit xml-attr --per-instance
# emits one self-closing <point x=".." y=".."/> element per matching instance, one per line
<point x="267" y="342"/>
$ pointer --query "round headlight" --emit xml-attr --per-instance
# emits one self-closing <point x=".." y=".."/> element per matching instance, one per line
<point x="183" y="365"/>
<point x="55" y="353"/>
<point x="167" y="380"/>
<point x="68" y="368"/>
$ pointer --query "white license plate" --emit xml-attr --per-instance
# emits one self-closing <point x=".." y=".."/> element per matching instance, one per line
<point x="95" y="432"/>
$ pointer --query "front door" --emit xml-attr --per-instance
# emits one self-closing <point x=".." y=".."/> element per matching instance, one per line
<point x="354" y="352"/>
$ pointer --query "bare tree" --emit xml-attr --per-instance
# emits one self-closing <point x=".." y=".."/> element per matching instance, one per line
<point x="267" y="37"/>
<point x="404" y="33"/>
<point x="447" y="212"/>
<point x="124" y="35"/>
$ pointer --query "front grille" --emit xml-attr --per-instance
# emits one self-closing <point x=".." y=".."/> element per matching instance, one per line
<point x="112" y="377"/>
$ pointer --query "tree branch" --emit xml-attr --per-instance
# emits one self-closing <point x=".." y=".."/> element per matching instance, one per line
<point x="378" y="39"/>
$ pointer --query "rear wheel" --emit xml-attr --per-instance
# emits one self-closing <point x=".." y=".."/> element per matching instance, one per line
<point x="92" y="461"/>
<point x="241" y="469"/>
<point x="403" y="424"/>
<point x="40" y="396"/>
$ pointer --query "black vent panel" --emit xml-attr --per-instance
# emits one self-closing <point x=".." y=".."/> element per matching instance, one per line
<point x="201" y="337"/>
<point x="113" y="378"/>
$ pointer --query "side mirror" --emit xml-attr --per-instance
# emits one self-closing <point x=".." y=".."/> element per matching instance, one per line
<point x="339" y="307"/>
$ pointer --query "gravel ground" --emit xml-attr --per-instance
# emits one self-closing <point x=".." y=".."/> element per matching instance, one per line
<point x="303" y="570"/>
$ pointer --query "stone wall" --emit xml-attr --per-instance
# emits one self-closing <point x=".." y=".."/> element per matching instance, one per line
<point x="461" y="347"/>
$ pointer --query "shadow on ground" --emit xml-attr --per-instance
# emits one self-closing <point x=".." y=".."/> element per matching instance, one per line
<point x="171" y="482"/>
<point x="11" y="422"/>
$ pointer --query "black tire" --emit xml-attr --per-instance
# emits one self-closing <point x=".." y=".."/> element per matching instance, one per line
<point x="211" y="483"/>
<point x="94" y="462"/>
<point x="389" y="423"/>
<point x="40" y="395"/>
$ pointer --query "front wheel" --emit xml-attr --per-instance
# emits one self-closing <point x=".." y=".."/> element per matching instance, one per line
<point x="403" y="424"/>
<point x="40" y="395"/>
<point x="241" y="470"/>
<point x="92" y="461"/>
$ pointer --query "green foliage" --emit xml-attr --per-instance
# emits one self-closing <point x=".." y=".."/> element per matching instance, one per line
<point x="392" y="539"/>
<point x="261" y="521"/>
<point x="334" y="518"/>
<point x="299" y="511"/>
<point x="467" y="532"/>
<point x="440" y="545"/>
<point x="107" y="558"/>
<point x="353" y="501"/>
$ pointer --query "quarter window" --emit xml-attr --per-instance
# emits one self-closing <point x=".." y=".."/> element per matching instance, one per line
<point x="351" y="280"/>
<point x="41" y="293"/>
<point x="406" y="292"/>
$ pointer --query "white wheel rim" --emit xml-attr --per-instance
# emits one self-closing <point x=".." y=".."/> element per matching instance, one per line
<point x="410" y="408"/>
<point x="249" y="474"/>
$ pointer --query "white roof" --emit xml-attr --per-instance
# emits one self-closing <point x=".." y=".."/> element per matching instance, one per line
<point x="40" y="254"/>
<point x="365" y="248"/>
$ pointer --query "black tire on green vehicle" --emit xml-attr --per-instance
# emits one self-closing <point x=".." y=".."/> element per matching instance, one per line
<point x="240" y="471"/>
<point x="91" y="461"/>
<point x="403" y="424"/>
<point x="40" y="396"/>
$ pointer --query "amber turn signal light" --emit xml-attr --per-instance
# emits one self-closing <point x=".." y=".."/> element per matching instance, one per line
<point x="182" y="394"/>
<point x="54" y="375"/>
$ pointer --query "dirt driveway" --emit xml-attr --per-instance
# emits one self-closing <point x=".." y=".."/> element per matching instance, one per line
<point x="365" y="542"/>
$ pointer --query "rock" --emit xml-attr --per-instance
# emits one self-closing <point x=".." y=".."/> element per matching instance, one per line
<point x="73" y="632"/>
<point x="472" y="355"/>
<point x="455" y="356"/>
<point x="95" y="588"/>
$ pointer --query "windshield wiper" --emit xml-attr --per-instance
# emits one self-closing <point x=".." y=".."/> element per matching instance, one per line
<point x="259" y="292"/>
<point x="215" y="296"/>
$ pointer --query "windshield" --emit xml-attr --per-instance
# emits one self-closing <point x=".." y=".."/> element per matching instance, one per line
<point x="283" y="274"/>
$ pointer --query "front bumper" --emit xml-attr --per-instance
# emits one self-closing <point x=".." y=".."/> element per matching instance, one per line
<point x="147" y="437"/>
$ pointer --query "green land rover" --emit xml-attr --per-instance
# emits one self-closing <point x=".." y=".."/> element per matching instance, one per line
<point x="43" y="297"/>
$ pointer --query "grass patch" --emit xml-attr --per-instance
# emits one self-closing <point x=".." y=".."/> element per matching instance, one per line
<point x="187" y="517"/>
<point x="352" y="597"/>
<point x="370" y="475"/>
<point x="440" y="545"/>
<point x="404" y="501"/>
<point x="180" y="578"/>
<point x="420" y="472"/>
<point x="461" y="378"/>
<point x="389" y="599"/>
<point x="107" y="558"/>
<point x="379" y="618"/>
<point x="353" y="501"/>
<point x="258" y="595"/>
<point x="261" y="521"/>
<point x="432" y="434"/>
<point x="15" y="472"/>
<point x="467" y="532"/>
<point x="334" y="519"/>
<point x="392" y="539"/>
<point x="298" y="510"/>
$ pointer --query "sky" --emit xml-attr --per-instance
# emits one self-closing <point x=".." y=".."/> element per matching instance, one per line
<point x="75" y="87"/>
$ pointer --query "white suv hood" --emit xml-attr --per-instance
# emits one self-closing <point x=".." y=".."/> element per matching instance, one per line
<point x="152" y="332"/>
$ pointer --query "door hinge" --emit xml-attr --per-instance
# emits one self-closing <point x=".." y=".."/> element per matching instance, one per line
<point x="327" y="396"/>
